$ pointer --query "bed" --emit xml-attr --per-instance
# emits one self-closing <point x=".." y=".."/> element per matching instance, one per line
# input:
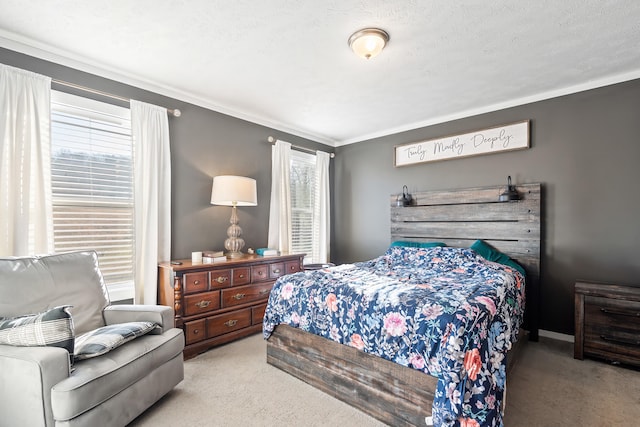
<point x="454" y="373"/>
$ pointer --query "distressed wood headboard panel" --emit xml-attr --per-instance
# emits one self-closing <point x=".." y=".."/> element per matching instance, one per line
<point x="460" y="217"/>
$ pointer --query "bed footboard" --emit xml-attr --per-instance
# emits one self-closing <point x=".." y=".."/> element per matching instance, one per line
<point x="391" y="393"/>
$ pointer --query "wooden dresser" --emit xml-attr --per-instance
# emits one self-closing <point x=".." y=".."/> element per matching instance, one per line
<point x="221" y="302"/>
<point x="607" y="320"/>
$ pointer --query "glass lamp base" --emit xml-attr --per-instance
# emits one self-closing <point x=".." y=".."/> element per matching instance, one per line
<point x="234" y="242"/>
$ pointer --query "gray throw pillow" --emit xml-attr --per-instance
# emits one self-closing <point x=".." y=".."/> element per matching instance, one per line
<point x="102" y="340"/>
<point x="53" y="328"/>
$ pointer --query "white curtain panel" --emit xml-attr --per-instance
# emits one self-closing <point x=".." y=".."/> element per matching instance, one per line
<point x="152" y="196"/>
<point x="280" y="207"/>
<point x="321" y="210"/>
<point x="26" y="220"/>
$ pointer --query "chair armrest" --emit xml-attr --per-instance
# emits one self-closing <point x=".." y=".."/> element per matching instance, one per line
<point x="160" y="314"/>
<point x="27" y="375"/>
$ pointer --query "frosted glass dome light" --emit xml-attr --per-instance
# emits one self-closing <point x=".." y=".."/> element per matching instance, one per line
<point x="368" y="42"/>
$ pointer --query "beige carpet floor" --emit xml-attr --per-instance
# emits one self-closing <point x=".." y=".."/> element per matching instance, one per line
<point x="232" y="385"/>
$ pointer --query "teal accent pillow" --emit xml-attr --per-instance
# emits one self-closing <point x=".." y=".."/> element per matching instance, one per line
<point x="417" y="244"/>
<point x="491" y="254"/>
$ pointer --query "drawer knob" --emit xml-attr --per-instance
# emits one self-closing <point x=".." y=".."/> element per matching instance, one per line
<point x="238" y="296"/>
<point x="196" y="282"/>
<point x="276" y="271"/>
<point x="242" y="276"/>
<point x="196" y="331"/>
<point x="263" y="291"/>
<point x="221" y="279"/>
<point x="231" y="323"/>
<point x="260" y="273"/>
<point x="203" y="304"/>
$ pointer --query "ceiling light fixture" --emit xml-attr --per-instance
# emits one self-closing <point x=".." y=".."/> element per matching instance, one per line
<point x="368" y="42"/>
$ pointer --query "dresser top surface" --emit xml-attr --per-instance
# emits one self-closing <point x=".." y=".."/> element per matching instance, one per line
<point x="187" y="264"/>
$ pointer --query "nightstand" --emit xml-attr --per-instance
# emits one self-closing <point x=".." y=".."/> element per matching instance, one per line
<point x="607" y="322"/>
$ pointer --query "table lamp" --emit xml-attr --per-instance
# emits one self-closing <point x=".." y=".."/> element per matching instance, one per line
<point x="230" y="190"/>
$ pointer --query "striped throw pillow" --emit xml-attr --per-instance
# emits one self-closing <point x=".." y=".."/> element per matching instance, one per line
<point x="102" y="340"/>
<point x="52" y="328"/>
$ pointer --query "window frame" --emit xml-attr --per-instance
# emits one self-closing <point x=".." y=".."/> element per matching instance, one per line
<point x="117" y="116"/>
<point x="308" y="160"/>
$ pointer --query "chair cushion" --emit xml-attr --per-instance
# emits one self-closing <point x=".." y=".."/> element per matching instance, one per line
<point x="102" y="340"/>
<point x="96" y="380"/>
<point x="35" y="284"/>
<point x="53" y="328"/>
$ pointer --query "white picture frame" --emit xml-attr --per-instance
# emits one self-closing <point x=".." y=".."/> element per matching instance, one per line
<point x="513" y="136"/>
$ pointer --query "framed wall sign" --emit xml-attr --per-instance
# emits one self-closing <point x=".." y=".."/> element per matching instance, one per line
<point x="514" y="136"/>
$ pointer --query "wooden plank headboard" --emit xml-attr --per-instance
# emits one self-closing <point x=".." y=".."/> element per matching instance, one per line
<point x="460" y="217"/>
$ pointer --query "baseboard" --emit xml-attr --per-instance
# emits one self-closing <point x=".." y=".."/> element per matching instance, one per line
<point x="556" y="335"/>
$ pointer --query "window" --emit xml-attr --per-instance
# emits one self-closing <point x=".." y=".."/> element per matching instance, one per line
<point x="92" y="185"/>
<point x="303" y="183"/>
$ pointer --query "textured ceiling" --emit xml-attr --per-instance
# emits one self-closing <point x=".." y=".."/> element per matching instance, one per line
<point x="286" y="64"/>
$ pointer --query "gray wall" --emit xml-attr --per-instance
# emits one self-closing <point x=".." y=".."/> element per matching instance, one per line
<point x="203" y="144"/>
<point x="585" y="150"/>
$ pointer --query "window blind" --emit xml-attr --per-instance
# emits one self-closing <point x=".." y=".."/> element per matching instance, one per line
<point x="302" y="181"/>
<point x="92" y="183"/>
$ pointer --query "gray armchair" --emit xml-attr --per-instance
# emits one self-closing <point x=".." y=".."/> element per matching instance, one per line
<point x="38" y="384"/>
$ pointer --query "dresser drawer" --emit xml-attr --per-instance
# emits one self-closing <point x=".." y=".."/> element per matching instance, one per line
<point x="276" y="270"/>
<point x="228" y="322"/>
<point x="292" y="267"/>
<point x="195" y="331"/>
<point x="195" y="282"/>
<point x="241" y="276"/>
<point x="260" y="273"/>
<point x="257" y="314"/>
<point x="613" y="345"/>
<point x="220" y="279"/>
<point x="245" y="294"/>
<point x="606" y="314"/>
<point x="201" y="303"/>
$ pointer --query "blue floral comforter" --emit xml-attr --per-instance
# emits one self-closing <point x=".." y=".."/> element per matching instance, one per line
<point x="444" y="311"/>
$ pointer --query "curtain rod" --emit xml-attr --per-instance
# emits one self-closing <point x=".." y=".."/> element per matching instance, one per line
<point x="175" y="112"/>
<point x="272" y="140"/>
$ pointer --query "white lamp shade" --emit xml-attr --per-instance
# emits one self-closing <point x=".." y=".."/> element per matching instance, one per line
<point x="229" y="190"/>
